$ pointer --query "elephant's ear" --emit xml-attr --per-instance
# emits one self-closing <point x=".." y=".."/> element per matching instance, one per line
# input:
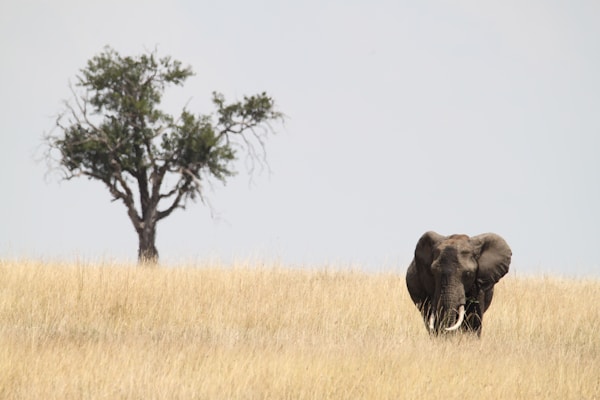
<point x="494" y="259"/>
<point x="419" y="278"/>
<point x="424" y="249"/>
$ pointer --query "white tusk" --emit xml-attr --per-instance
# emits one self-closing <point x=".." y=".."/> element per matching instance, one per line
<point x="432" y="322"/>
<point x="461" y="317"/>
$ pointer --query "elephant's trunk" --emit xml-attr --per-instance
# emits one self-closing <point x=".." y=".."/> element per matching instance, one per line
<point x="448" y="318"/>
<point x="461" y="317"/>
<point x="449" y="309"/>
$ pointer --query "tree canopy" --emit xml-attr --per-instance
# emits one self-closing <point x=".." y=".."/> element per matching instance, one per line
<point x="113" y="131"/>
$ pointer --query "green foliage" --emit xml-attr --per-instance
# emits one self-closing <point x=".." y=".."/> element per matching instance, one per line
<point x="114" y="131"/>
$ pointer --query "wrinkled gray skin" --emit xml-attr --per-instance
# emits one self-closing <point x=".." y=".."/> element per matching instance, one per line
<point x="448" y="272"/>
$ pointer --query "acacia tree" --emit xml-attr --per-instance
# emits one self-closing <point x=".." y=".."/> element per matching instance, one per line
<point x="113" y="131"/>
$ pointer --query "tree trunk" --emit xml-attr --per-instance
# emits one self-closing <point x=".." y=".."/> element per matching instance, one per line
<point x="147" y="252"/>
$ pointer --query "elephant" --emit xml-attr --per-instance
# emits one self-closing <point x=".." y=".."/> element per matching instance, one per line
<point x="451" y="279"/>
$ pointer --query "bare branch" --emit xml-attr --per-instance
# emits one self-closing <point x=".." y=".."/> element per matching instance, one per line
<point x="169" y="193"/>
<point x="189" y="183"/>
<point x="126" y="195"/>
<point x="172" y="207"/>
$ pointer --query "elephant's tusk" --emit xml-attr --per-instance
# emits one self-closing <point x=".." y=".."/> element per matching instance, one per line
<point x="461" y="317"/>
<point x="432" y="322"/>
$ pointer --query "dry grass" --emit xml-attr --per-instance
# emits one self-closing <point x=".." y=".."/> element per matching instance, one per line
<point x="109" y="331"/>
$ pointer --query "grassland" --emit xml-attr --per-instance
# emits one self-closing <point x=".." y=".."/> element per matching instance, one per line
<point x="78" y="331"/>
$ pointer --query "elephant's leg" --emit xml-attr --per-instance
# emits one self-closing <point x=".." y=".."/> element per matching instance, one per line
<point x="473" y="318"/>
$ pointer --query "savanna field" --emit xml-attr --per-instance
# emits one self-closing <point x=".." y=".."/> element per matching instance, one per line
<point x="85" y="331"/>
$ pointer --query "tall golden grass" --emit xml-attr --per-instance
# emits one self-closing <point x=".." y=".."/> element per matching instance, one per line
<point x="77" y="331"/>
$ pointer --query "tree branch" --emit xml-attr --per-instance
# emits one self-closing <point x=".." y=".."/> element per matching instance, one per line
<point x="188" y="183"/>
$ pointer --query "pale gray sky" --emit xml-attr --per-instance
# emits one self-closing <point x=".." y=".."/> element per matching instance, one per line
<point x="404" y="116"/>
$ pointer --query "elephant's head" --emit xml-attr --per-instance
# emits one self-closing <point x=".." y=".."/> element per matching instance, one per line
<point x="451" y="278"/>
